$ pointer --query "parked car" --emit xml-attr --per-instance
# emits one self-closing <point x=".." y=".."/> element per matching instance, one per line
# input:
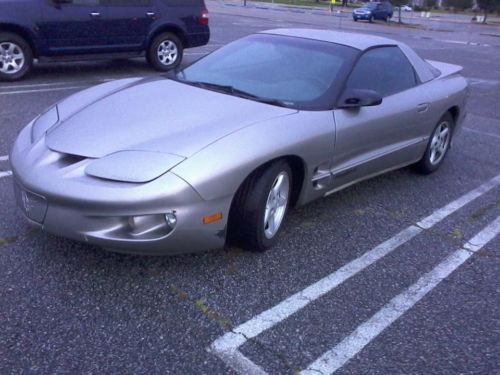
<point x="373" y="11"/>
<point x="62" y="30"/>
<point x="218" y="152"/>
<point x="406" y="8"/>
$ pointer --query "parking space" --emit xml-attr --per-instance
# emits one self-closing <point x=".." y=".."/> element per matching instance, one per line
<point x="398" y="274"/>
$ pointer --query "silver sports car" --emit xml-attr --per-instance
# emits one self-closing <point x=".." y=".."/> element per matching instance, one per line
<point x="217" y="152"/>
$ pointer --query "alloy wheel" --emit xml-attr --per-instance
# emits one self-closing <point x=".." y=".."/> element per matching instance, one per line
<point x="12" y="58"/>
<point x="276" y="204"/>
<point x="167" y="52"/>
<point x="440" y="142"/>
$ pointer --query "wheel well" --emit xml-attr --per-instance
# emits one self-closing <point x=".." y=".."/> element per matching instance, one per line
<point x="298" y="173"/>
<point x="297" y="166"/>
<point x="171" y="29"/>
<point x="14" y="29"/>
<point x="454" y="111"/>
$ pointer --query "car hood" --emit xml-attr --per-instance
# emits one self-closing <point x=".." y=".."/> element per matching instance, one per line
<point x="158" y="115"/>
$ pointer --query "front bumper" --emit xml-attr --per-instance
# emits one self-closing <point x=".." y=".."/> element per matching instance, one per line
<point x="63" y="200"/>
<point x="363" y="16"/>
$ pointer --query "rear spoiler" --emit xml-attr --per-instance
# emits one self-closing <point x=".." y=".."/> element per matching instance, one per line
<point x="441" y="69"/>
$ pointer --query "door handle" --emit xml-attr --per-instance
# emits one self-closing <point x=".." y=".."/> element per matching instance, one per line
<point x="95" y="14"/>
<point x="422" y="107"/>
<point x="150" y="14"/>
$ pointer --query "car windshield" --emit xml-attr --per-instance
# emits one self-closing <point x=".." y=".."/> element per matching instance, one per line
<point x="287" y="71"/>
<point x="369" y="6"/>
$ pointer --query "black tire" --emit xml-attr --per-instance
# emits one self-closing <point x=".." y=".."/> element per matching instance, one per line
<point x="246" y="219"/>
<point x="425" y="165"/>
<point x="355" y="19"/>
<point x="21" y="46"/>
<point x="152" y="53"/>
<point x="370" y="19"/>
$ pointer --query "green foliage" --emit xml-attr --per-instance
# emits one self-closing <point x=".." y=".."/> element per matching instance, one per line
<point x="458" y="4"/>
<point x="398" y="3"/>
<point x="489" y="5"/>
<point x="430" y="3"/>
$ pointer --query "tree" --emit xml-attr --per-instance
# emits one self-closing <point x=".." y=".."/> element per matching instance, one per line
<point x="458" y="4"/>
<point x="399" y="4"/>
<point x="488" y="6"/>
<point x="429" y="4"/>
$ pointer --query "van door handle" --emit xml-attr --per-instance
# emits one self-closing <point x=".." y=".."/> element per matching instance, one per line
<point x="422" y="107"/>
<point x="150" y="14"/>
<point x="95" y="14"/>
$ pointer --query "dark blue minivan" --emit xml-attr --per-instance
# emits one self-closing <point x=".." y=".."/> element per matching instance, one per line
<point x="62" y="30"/>
<point x="373" y="11"/>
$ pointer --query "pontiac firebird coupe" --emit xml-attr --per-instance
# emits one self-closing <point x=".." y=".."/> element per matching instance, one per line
<point x="219" y="151"/>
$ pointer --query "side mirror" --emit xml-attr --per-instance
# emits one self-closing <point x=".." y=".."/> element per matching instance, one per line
<point x="356" y="98"/>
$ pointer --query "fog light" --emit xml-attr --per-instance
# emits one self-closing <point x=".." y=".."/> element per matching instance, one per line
<point x="171" y="219"/>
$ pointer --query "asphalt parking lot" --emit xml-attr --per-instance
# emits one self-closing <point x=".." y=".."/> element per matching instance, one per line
<point x="398" y="274"/>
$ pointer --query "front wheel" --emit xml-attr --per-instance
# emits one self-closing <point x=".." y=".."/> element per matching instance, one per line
<point x="370" y="19"/>
<point x="16" y="57"/>
<point x="165" y="52"/>
<point x="260" y="207"/>
<point x="438" y="146"/>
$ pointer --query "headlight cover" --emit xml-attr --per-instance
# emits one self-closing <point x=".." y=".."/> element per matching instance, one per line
<point x="43" y="123"/>
<point x="133" y="166"/>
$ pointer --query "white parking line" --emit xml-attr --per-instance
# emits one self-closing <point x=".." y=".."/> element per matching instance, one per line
<point x="335" y="358"/>
<point x="41" y="90"/>
<point x="41" y="85"/>
<point x="196" y="53"/>
<point x="4" y="158"/>
<point x="226" y="346"/>
<point x="5" y="174"/>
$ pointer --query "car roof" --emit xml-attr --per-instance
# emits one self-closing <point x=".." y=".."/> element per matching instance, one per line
<point x="358" y="41"/>
<point x="361" y="42"/>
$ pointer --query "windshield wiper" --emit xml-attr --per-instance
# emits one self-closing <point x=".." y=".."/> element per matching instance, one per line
<point x="237" y="92"/>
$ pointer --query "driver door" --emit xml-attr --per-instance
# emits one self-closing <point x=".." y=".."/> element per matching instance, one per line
<point x="374" y="139"/>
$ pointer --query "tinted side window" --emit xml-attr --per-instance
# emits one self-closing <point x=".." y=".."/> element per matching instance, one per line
<point x="127" y="3"/>
<point x="85" y="2"/>
<point x="182" y="2"/>
<point x="385" y="70"/>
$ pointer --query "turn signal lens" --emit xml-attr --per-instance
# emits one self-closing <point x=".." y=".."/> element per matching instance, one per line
<point x="211" y="218"/>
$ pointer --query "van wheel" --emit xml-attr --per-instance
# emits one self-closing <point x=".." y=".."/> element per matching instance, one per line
<point x="165" y="52"/>
<point x="16" y="57"/>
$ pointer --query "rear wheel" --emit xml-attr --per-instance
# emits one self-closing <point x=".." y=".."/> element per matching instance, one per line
<point x="260" y="207"/>
<point x="438" y="146"/>
<point x="16" y="57"/>
<point x="165" y="52"/>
